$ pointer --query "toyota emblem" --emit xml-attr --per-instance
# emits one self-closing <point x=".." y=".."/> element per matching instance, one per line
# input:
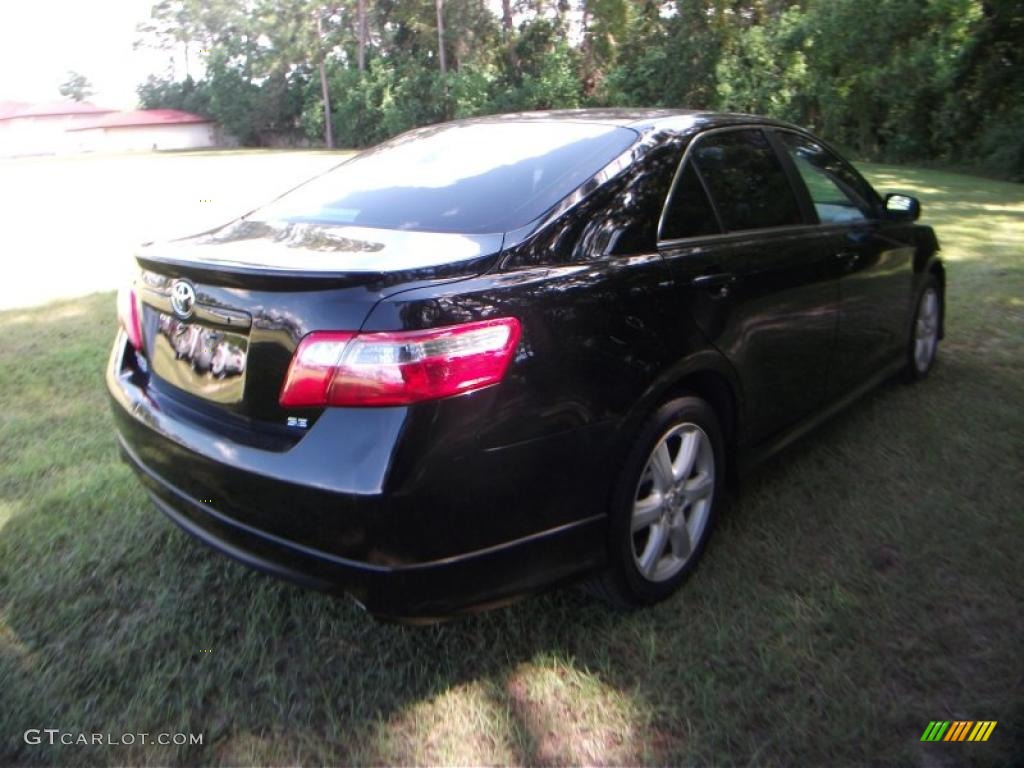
<point x="183" y="299"/>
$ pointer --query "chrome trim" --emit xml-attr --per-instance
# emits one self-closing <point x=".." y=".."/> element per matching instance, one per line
<point x="789" y="229"/>
<point x="207" y="313"/>
<point x="157" y="299"/>
<point x="220" y="316"/>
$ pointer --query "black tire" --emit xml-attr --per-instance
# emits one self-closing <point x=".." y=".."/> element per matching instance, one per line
<point x="916" y="368"/>
<point x="622" y="583"/>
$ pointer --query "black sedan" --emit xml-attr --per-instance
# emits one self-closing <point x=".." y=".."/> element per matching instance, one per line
<point x="492" y="355"/>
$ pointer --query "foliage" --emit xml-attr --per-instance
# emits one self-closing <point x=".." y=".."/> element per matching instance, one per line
<point x="763" y="69"/>
<point x="894" y="79"/>
<point x="185" y="94"/>
<point x="77" y="87"/>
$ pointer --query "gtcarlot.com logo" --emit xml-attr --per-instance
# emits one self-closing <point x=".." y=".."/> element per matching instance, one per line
<point x="55" y="736"/>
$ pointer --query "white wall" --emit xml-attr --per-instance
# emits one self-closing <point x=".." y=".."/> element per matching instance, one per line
<point x="146" y="137"/>
<point x="42" y="135"/>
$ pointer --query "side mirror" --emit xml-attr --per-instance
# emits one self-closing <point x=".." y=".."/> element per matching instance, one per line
<point x="902" y="208"/>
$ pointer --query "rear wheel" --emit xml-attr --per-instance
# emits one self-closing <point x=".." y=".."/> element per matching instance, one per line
<point x="665" y="504"/>
<point x="924" y="337"/>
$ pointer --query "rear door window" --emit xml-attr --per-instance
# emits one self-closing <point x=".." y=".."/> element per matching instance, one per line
<point x="746" y="180"/>
<point x="689" y="212"/>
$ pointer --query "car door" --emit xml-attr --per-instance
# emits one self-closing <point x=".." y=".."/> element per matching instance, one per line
<point x="875" y="257"/>
<point x="756" y="274"/>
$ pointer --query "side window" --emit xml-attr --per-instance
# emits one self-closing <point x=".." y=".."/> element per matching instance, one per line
<point x="835" y="190"/>
<point x="689" y="212"/>
<point x="746" y="180"/>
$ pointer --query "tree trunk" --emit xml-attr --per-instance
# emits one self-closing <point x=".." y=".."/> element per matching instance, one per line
<point x="328" y="130"/>
<point x="506" y="31"/>
<point x="440" y="36"/>
<point x="587" y="44"/>
<point x="506" y="18"/>
<point x="361" y="21"/>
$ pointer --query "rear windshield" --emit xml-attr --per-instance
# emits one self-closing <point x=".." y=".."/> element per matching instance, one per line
<point x="472" y="178"/>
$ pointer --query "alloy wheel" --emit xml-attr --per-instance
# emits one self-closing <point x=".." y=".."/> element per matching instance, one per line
<point x="673" y="501"/>
<point x="926" y="332"/>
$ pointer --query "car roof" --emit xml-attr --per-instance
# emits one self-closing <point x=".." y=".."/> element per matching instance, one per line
<point x="643" y="120"/>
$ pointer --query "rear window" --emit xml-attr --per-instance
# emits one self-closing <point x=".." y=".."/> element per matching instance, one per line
<point x="471" y="178"/>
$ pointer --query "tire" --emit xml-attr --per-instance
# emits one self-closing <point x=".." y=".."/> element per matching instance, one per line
<point x="923" y="344"/>
<point x="673" y="519"/>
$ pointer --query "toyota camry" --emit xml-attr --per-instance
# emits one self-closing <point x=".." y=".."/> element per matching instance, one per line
<point x="497" y="354"/>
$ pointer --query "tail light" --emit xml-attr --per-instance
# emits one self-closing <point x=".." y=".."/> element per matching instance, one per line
<point x="349" y="369"/>
<point x="128" y="316"/>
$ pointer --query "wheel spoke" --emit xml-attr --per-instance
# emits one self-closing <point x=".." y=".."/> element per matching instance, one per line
<point x="687" y="455"/>
<point x="698" y="487"/>
<point x="661" y="463"/>
<point x="679" y="535"/>
<point x="654" y="550"/>
<point x="647" y="511"/>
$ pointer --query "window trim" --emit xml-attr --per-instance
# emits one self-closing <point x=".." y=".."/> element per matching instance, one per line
<point x="803" y="193"/>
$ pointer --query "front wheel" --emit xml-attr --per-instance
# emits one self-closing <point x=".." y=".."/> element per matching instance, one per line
<point x="924" y="337"/>
<point x="665" y="504"/>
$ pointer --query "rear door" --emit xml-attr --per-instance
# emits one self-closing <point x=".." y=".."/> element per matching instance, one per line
<point x="875" y="261"/>
<point x="756" y="274"/>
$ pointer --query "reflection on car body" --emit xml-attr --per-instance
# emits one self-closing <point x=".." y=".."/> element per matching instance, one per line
<point x="205" y="349"/>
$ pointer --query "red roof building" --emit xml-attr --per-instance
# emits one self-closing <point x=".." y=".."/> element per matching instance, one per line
<point x="41" y="129"/>
<point x="8" y="108"/>
<point x="80" y="126"/>
<point x="143" y="117"/>
<point x="145" y="129"/>
<point x="50" y="109"/>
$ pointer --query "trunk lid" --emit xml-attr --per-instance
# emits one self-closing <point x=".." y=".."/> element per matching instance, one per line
<point x="223" y="312"/>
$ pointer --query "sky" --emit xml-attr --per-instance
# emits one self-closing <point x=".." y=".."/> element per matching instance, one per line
<point x="40" y="40"/>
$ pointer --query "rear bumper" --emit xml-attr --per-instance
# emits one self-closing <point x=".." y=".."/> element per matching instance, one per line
<point x="277" y="513"/>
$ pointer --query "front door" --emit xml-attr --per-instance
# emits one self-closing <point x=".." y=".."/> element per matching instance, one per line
<point x="875" y="259"/>
<point x="758" y="278"/>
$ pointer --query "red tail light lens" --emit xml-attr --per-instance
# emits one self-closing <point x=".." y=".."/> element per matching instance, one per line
<point x="128" y="316"/>
<point x="338" y="368"/>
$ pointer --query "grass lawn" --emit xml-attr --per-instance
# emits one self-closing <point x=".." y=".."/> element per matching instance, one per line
<point x="867" y="581"/>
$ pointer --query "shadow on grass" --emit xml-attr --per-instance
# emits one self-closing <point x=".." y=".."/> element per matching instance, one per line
<point x="865" y="582"/>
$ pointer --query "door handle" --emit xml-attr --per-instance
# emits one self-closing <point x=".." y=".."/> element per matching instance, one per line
<point x="719" y="284"/>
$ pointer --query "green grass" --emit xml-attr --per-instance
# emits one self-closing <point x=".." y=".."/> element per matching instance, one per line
<point x="867" y="581"/>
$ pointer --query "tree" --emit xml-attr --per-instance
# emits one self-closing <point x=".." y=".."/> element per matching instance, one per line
<point x="76" y="87"/>
<point x="893" y="79"/>
<point x="328" y="128"/>
<point x="604" y="24"/>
